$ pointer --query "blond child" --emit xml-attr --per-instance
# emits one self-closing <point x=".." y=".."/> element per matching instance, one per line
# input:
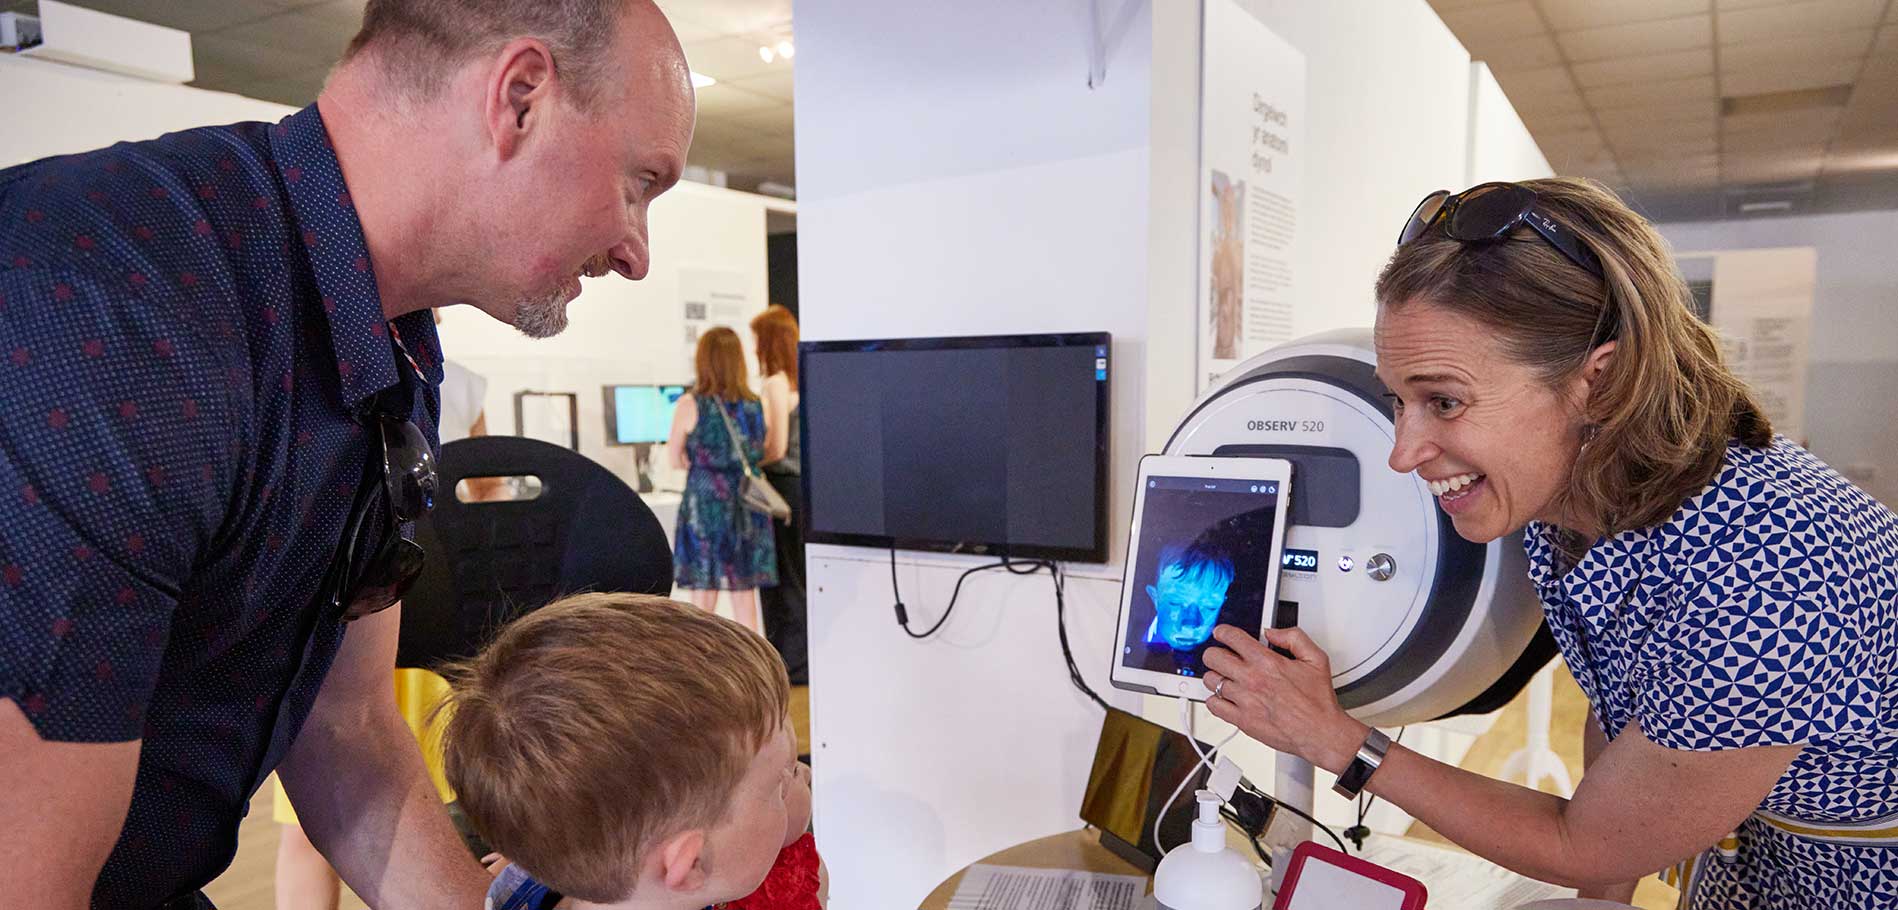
<point x="635" y="753"/>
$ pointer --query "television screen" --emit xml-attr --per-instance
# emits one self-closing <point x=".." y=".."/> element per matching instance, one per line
<point x="991" y="445"/>
<point x="640" y="413"/>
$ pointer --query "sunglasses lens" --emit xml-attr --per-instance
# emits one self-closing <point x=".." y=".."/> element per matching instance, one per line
<point x="410" y="475"/>
<point x="1489" y="212"/>
<point x="386" y="579"/>
<point x="1423" y="217"/>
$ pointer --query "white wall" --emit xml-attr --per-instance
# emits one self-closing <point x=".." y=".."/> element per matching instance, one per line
<point x="1854" y="337"/>
<point x="951" y="183"/>
<point x="1500" y="145"/>
<point x="621" y="332"/>
<point x="954" y="183"/>
<point x="56" y="109"/>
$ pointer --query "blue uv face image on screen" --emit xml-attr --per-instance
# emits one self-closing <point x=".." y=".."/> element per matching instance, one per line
<point x="640" y="413"/>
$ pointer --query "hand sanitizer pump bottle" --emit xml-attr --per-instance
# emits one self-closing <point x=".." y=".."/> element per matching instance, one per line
<point x="1204" y="874"/>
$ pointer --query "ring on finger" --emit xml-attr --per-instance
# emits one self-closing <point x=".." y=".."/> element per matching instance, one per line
<point x="1222" y="685"/>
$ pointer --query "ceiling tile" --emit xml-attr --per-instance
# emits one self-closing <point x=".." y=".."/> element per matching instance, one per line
<point x="1527" y="52"/>
<point x="1768" y="23"/>
<point x="307" y="35"/>
<point x="1643" y="94"/>
<point x="727" y="59"/>
<point x="1549" y="80"/>
<point x="1850" y="44"/>
<point x="298" y="90"/>
<point x="1820" y="121"/>
<point x="1637" y="39"/>
<point x="1622" y="70"/>
<point x="779" y="84"/>
<point x="1661" y="115"/>
<point x="1771" y="167"/>
<point x="1788" y="76"/>
<point x="725" y="99"/>
<point x="1742" y="142"/>
<point x="1568" y="15"/>
<point x="1880" y="70"/>
<point x="1883" y="160"/>
<point x="678" y="14"/>
<point x="1555" y="105"/>
<point x="751" y="18"/>
<point x="1724" y="5"/>
<point x="1645" y="135"/>
<point x="1887" y="42"/>
<point x="1676" y="176"/>
<point x="1540" y="122"/>
<point x="719" y="132"/>
<point x="219" y="53"/>
<point x="190" y="15"/>
<point x="1661" y="147"/>
<point x="1482" y="26"/>
<point x="1585" y="143"/>
<point x="777" y="121"/>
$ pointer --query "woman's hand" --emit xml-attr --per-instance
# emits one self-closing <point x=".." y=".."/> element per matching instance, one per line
<point x="1285" y="703"/>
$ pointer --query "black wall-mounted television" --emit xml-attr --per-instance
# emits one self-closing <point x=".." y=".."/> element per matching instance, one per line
<point x="992" y="445"/>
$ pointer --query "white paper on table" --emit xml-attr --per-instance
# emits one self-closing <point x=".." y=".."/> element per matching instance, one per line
<point x="1457" y="879"/>
<point x="986" y="887"/>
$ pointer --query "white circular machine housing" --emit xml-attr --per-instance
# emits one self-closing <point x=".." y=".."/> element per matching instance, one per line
<point x="1419" y="623"/>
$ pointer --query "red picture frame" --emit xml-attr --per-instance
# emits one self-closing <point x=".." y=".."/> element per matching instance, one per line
<point x="1413" y="890"/>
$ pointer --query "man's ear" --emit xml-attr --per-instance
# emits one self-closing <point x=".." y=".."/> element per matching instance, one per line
<point x="680" y="865"/>
<point x="1153" y="594"/>
<point x="518" y="93"/>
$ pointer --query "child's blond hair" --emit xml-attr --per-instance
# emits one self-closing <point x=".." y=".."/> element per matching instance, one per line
<point x="591" y="729"/>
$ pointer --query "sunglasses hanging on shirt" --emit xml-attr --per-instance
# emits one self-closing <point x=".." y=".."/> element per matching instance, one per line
<point x="400" y="475"/>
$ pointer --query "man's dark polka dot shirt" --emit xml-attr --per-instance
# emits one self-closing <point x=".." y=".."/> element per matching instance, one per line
<point x="188" y="327"/>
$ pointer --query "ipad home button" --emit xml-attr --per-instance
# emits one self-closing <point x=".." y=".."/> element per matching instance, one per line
<point x="1186" y="685"/>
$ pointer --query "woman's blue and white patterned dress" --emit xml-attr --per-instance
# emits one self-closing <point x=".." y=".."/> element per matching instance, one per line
<point x="1763" y="613"/>
<point x="719" y="544"/>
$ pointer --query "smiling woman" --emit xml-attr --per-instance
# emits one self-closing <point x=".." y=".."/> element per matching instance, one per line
<point x="1724" y="599"/>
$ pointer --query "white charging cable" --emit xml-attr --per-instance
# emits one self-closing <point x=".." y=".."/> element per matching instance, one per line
<point x="1206" y="760"/>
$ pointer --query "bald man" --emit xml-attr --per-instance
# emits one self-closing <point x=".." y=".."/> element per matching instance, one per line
<point x="221" y="411"/>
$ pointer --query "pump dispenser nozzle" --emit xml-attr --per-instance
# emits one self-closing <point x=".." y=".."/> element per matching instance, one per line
<point x="1205" y="874"/>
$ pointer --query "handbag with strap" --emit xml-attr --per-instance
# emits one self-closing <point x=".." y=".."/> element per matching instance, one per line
<point x="754" y="492"/>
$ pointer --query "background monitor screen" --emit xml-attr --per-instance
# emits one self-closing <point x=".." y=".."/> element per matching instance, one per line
<point x="640" y="413"/>
<point x="992" y="445"/>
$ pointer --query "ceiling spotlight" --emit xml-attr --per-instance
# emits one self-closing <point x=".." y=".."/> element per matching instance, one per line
<point x="766" y="54"/>
<point x="700" y="80"/>
<point x="786" y="49"/>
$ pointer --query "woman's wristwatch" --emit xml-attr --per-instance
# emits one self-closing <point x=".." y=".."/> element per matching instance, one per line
<point x="1352" y="779"/>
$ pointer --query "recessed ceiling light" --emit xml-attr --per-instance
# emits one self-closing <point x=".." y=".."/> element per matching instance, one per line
<point x="700" y="80"/>
<point x="787" y="50"/>
<point x="766" y="54"/>
<point x="1770" y="205"/>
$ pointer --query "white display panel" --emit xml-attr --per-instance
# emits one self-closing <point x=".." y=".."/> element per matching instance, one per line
<point x="1323" y="886"/>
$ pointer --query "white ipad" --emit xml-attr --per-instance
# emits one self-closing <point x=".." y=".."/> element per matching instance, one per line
<point x="1208" y="534"/>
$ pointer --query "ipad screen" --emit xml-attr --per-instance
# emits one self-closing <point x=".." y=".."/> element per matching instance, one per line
<point x="1203" y="558"/>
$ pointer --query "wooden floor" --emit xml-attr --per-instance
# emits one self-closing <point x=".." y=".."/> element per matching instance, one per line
<point x="247" y="885"/>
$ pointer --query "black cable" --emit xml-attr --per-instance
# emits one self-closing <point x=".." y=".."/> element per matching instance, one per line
<point x="1236" y="822"/>
<point x="1013" y="568"/>
<point x="1358" y="832"/>
<point x="902" y="612"/>
<point x="1061" y="630"/>
<point x="1300" y="813"/>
